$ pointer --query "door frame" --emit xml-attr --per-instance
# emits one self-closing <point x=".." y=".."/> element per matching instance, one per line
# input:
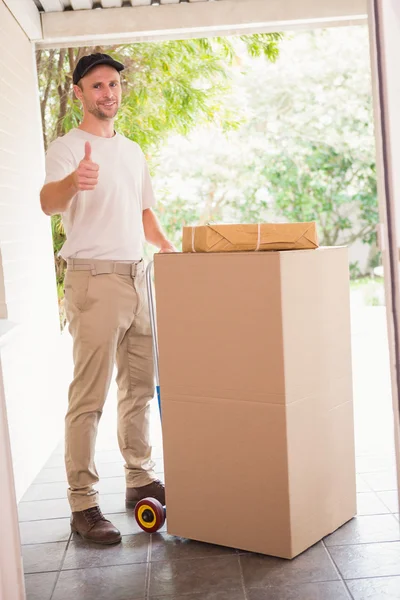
<point x="11" y="572"/>
<point x="383" y="19"/>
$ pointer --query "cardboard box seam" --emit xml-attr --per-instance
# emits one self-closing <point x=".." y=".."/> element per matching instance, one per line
<point x="210" y="400"/>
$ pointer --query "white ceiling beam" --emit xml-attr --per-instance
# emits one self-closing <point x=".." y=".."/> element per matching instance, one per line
<point x="111" y="3"/>
<point x="194" y="19"/>
<point x="28" y="17"/>
<point x="82" y="4"/>
<point x="52" y="5"/>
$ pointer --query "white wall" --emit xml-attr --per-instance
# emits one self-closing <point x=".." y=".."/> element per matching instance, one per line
<point x="35" y="405"/>
<point x="11" y="563"/>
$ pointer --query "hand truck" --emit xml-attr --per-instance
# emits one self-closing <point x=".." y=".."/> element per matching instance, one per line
<point x="150" y="514"/>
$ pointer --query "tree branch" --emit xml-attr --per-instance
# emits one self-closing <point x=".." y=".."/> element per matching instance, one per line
<point x="43" y="104"/>
<point x="71" y="58"/>
<point x="61" y="95"/>
<point x="39" y="55"/>
<point x="360" y="234"/>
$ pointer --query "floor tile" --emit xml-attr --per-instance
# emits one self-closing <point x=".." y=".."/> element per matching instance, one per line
<point x="382" y="480"/>
<point x="111" y="485"/>
<point x="43" y="557"/>
<point x="60" y="448"/>
<point x="112" y="503"/>
<point x="361" y="484"/>
<point x="126" y="582"/>
<point x="108" y="456"/>
<point x="107" y="441"/>
<point x="311" y="566"/>
<point x="113" y="469"/>
<point x="237" y="594"/>
<point x="370" y="464"/>
<point x="205" y="575"/>
<point x="382" y="588"/>
<point x="331" y="590"/>
<point x="43" y="509"/>
<point x="168" y="547"/>
<point x="39" y="532"/>
<point x="83" y="555"/>
<point x="367" y="560"/>
<point x="390" y="499"/>
<point x="45" y="491"/>
<point x="52" y="475"/>
<point x="39" y="586"/>
<point x="368" y="503"/>
<point x="124" y="521"/>
<point x="157" y="452"/>
<point x="159" y="465"/>
<point x="366" y="529"/>
<point x="55" y="460"/>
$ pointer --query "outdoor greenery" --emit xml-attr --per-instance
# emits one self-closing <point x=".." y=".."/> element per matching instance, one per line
<point x="305" y="149"/>
<point x="368" y="291"/>
<point x="244" y="129"/>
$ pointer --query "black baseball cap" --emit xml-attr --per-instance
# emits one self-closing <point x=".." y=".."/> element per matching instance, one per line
<point x="92" y="60"/>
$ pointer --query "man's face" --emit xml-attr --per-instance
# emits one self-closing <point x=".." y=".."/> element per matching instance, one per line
<point x="100" y="92"/>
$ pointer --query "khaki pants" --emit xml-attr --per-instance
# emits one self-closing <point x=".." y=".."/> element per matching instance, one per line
<point x="107" y="311"/>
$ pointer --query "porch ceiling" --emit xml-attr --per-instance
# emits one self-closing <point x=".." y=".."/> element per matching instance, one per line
<point x="58" y="23"/>
<point x="61" y="5"/>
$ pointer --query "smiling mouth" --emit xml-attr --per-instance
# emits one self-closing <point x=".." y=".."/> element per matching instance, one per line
<point x="108" y="104"/>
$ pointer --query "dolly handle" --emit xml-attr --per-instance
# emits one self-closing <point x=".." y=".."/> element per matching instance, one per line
<point x="153" y="325"/>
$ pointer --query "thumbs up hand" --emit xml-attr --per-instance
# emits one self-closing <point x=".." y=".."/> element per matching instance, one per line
<point x="86" y="175"/>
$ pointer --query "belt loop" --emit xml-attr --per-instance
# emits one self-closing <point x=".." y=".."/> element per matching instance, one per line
<point x="133" y="270"/>
<point x="93" y="269"/>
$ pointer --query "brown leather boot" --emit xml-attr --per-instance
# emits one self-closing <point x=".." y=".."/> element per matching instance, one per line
<point x="91" y="525"/>
<point x="155" y="489"/>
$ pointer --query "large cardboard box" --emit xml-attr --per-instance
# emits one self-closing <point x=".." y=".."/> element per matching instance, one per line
<point x="247" y="237"/>
<point x="256" y="395"/>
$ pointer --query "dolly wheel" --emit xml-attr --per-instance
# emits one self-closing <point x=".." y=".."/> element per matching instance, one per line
<point x="150" y="514"/>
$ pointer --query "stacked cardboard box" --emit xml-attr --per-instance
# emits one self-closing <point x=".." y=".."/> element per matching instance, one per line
<point x="256" y="392"/>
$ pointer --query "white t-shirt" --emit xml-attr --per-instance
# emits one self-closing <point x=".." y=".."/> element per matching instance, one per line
<point x="104" y="223"/>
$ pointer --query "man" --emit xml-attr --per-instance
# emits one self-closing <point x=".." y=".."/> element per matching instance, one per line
<point x="99" y="181"/>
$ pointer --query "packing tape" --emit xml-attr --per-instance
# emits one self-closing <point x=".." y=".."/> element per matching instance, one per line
<point x="258" y="237"/>
<point x="193" y="231"/>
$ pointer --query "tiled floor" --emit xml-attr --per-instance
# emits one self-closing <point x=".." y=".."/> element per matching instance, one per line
<point x="360" y="561"/>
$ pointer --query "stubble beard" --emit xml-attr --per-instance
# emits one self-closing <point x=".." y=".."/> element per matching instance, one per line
<point x="99" y="114"/>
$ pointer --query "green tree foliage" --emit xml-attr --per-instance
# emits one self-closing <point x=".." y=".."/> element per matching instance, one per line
<point x="320" y="183"/>
<point x="304" y="151"/>
<point x="169" y="87"/>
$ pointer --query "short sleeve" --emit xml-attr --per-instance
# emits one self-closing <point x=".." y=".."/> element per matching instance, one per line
<point x="59" y="162"/>
<point x="148" y="199"/>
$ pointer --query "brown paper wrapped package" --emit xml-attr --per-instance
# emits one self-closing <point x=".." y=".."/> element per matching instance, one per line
<point x="244" y="238"/>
